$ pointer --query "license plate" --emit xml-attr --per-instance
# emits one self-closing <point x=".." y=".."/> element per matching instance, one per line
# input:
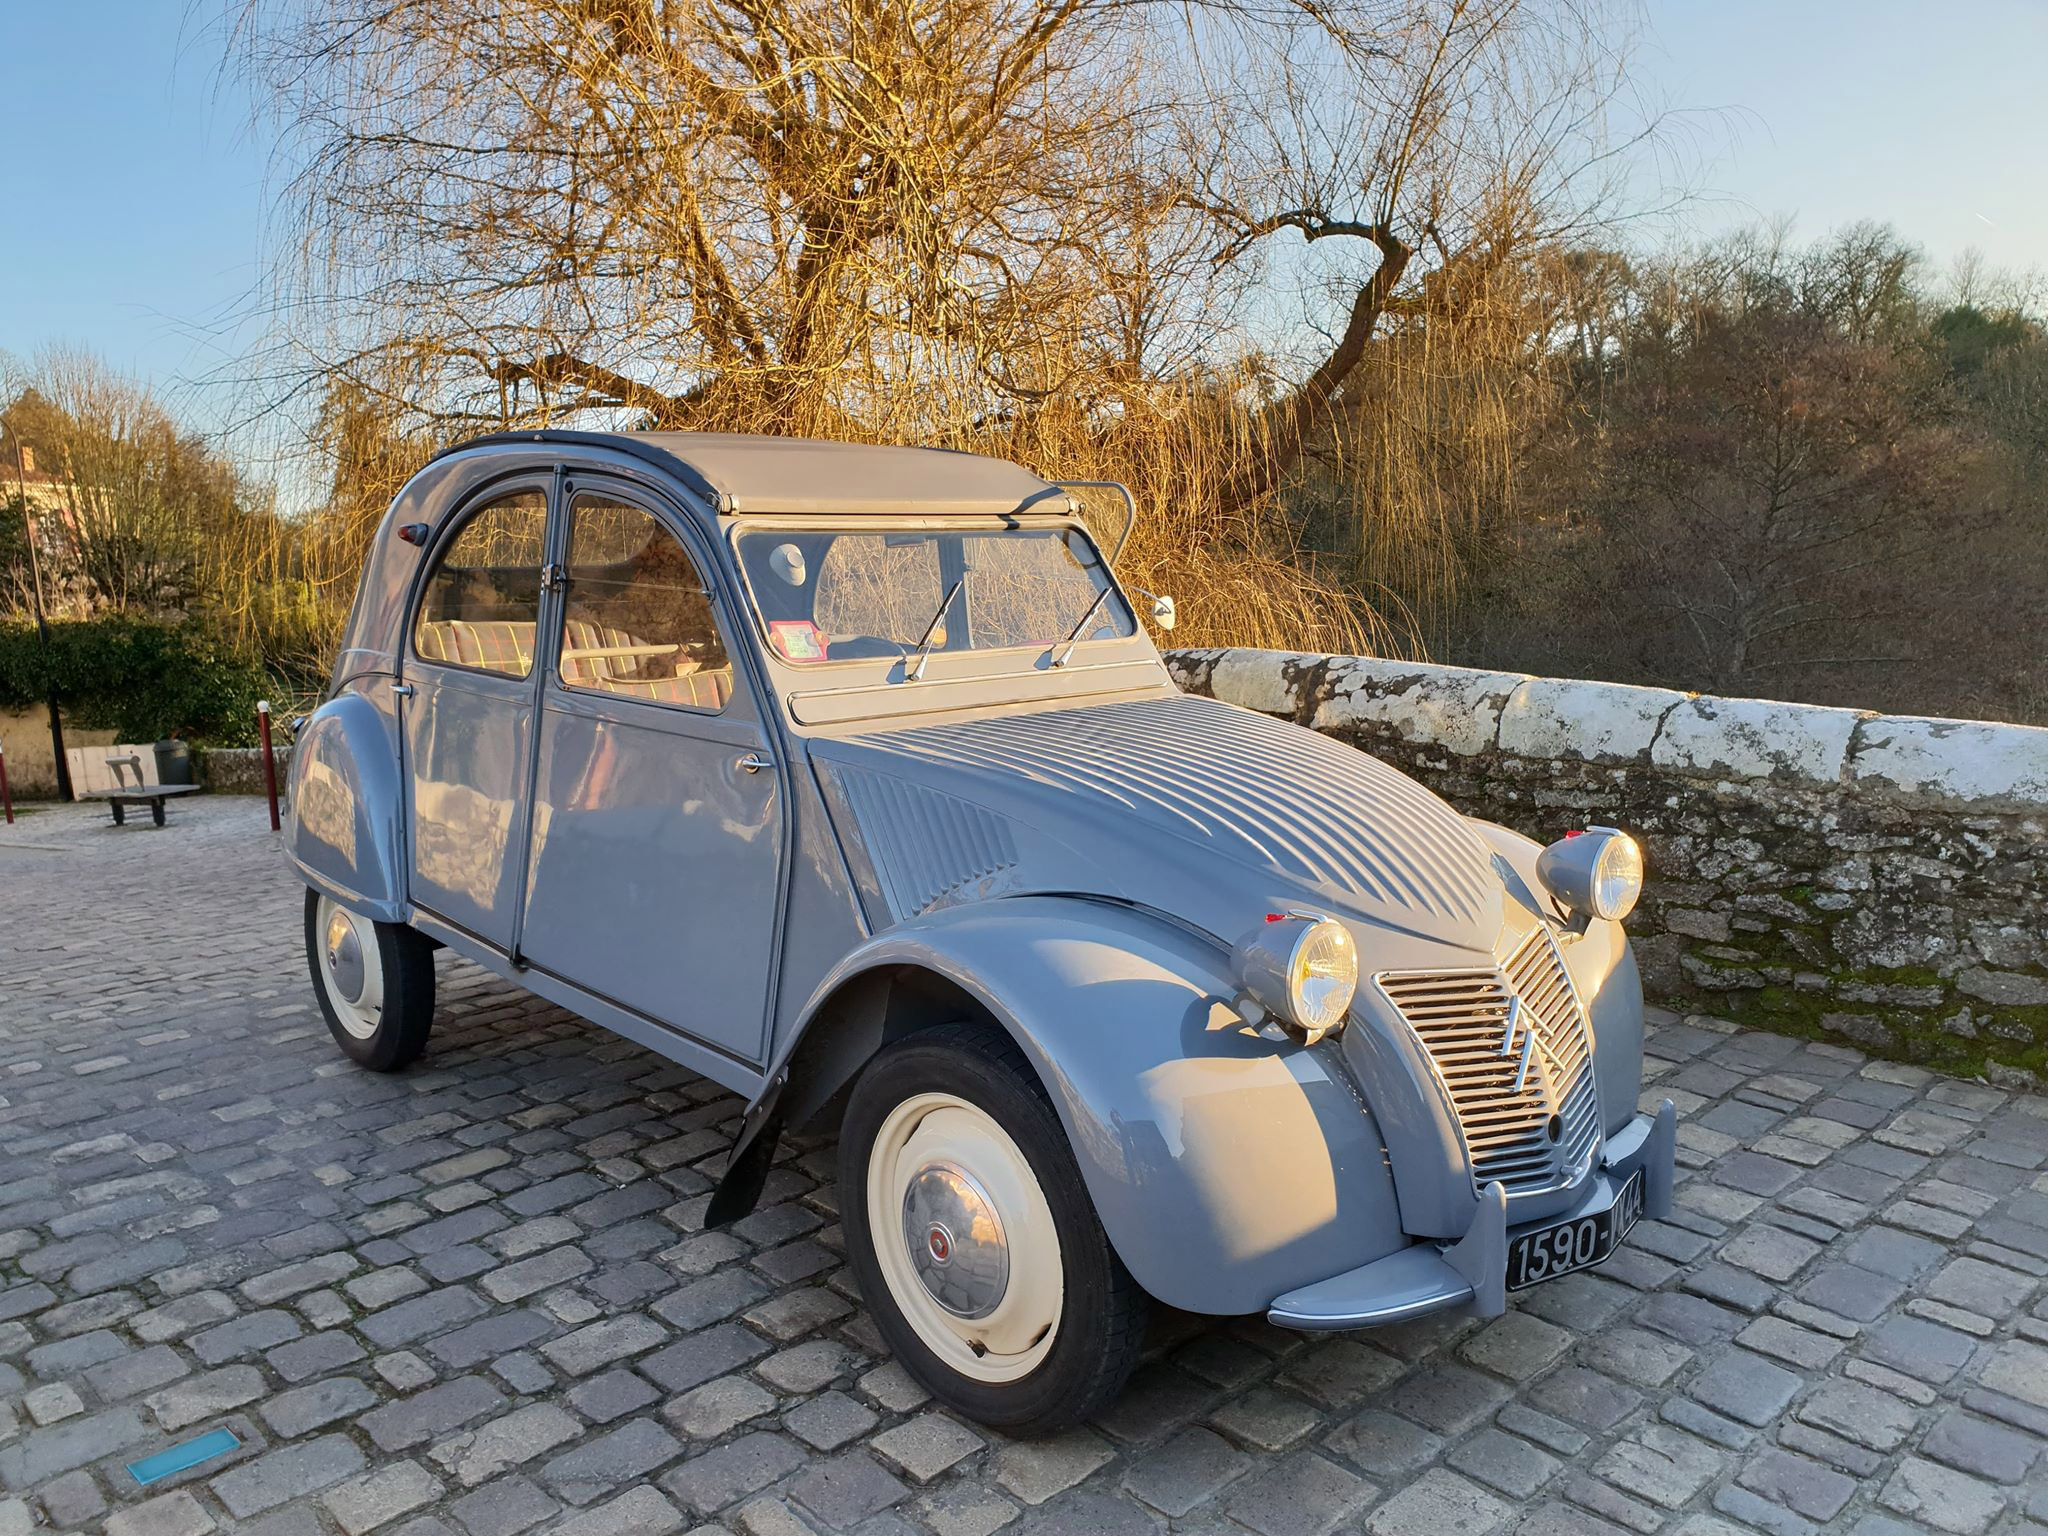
<point x="1552" y="1251"/>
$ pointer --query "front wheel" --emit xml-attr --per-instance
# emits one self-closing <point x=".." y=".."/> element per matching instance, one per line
<point x="375" y="982"/>
<point x="973" y="1237"/>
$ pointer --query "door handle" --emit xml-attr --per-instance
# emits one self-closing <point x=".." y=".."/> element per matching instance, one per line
<point x="403" y="690"/>
<point x="754" y="762"/>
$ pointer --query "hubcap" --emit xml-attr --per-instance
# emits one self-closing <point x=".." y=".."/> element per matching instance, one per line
<point x="956" y="1241"/>
<point x="350" y="970"/>
<point x="345" y="957"/>
<point x="964" y="1238"/>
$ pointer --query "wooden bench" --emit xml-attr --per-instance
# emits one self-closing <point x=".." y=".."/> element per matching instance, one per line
<point x="125" y="794"/>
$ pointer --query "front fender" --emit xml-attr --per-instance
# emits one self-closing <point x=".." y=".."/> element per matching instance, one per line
<point x="348" y="808"/>
<point x="1226" y="1168"/>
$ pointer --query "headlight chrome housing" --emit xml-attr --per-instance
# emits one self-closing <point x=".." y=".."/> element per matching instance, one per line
<point x="1595" y="873"/>
<point x="1303" y="969"/>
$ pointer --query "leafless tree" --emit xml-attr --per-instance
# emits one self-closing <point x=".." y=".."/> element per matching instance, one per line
<point x="1063" y="229"/>
<point x="133" y="486"/>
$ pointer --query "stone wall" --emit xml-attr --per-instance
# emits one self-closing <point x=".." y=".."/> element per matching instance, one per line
<point x="25" y="740"/>
<point x="239" y="770"/>
<point x="1830" y="873"/>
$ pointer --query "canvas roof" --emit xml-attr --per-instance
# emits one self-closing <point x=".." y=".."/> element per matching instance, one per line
<point x="747" y="474"/>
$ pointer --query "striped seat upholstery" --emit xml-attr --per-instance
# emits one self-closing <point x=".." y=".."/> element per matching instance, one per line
<point x="495" y="645"/>
<point x="692" y="684"/>
<point x="582" y="671"/>
<point x="698" y="688"/>
<point x="506" y="646"/>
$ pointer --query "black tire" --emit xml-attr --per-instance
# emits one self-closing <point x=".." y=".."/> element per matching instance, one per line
<point x="1101" y="1328"/>
<point x="405" y="1016"/>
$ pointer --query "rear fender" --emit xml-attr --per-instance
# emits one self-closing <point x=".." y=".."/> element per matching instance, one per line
<point x="1225" y="1167"/>
<point x="348" y="809"/>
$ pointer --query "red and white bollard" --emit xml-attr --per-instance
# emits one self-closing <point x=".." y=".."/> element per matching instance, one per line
<point x="269" y="761"/>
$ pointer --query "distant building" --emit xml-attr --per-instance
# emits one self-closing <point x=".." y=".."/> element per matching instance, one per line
<point x="53" y="516"/>
<point x="22" y="479"/>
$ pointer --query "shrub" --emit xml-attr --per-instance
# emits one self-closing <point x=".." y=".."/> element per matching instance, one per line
<point x="140" y="679"/>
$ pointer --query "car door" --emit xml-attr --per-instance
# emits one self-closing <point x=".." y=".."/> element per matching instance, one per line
<point x="656" y="849"/>
<point x="471" y="676"/>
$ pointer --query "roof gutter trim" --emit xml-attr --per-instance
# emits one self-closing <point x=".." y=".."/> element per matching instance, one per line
<point x="627" y="443"/>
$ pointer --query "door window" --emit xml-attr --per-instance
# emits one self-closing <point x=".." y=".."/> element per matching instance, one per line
<point x="482" y="603"/>
<point x="638" y="620"/>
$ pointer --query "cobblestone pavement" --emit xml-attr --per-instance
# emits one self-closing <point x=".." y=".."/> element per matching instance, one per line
<point x="475" y="1298"/>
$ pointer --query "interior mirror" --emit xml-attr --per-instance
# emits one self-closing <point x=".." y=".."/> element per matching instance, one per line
<point x="787" y="562"/>
<point x="1163" y="612"/>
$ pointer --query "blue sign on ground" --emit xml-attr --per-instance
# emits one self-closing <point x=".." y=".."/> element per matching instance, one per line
<point x="154" y="1469"/>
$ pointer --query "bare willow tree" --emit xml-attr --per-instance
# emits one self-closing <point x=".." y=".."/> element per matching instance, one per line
<point x="142" y="516"/>
<point x="1199" y="246"/>
<point x="133" y="490"/>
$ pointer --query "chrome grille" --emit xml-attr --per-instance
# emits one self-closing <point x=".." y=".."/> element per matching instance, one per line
<point x="1504" y="1111"/>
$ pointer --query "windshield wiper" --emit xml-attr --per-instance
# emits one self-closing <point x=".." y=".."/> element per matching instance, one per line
<point x="915" y="670"/>
<point x="1074" y="635"/>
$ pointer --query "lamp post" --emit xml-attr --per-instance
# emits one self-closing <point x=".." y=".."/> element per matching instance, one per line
<point x="35" y="578"/>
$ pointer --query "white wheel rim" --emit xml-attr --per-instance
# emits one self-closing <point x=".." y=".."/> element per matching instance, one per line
<point x="937" y="1144"/>
<point x="351" y="967"/>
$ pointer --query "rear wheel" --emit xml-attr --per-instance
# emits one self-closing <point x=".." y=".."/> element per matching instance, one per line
<point x="375" y="982"/>
<point x="973" y="1237"/>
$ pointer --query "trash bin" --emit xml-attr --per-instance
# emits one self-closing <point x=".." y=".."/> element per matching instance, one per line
<point x="173" y="762"/>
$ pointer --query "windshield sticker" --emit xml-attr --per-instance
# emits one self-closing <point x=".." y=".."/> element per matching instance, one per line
<point x="797" y="640"/>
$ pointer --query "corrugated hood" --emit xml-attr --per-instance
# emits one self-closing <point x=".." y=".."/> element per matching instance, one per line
<point x="1138" y="799"/>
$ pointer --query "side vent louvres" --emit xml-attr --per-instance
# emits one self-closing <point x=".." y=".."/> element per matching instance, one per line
<point x="928" y="849"/>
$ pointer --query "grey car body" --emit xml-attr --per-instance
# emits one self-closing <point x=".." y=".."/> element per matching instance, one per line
<point x="839" y="856"/>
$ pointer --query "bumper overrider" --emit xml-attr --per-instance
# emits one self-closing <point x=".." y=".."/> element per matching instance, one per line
<point x="1472" y="1273"/>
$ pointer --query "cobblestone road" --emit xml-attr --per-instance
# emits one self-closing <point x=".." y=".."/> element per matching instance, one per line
<point x="475" y="1298"/>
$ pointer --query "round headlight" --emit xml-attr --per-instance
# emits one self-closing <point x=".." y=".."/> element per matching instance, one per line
<point x="1617" y="877"/>
<point x="1302" y="969"/>
<point x="1322" y="975"/>
<point x="1596" y="873"/>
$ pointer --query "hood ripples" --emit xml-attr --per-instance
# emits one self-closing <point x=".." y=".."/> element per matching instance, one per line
<point x="1260" y="790"/>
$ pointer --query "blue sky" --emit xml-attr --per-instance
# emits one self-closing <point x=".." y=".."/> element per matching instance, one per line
<point x="138" y="191"/>
<point x="135" y="188"/>
<point x="1930" y="117"/>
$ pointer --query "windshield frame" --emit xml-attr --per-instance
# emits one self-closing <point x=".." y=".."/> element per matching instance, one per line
<point x="867" y="668"/>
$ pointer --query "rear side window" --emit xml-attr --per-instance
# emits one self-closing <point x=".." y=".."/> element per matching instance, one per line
<point x="638" y="620"/>
<point x="482" y="604"/>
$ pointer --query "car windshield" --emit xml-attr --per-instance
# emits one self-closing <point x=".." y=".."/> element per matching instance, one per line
<point x="849" y="595"/>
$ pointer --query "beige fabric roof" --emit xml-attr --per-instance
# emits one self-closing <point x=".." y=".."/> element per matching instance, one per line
<point x="794" y="474"/>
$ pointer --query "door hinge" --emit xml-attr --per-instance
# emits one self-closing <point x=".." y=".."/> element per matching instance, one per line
<point x="553" y="578"/>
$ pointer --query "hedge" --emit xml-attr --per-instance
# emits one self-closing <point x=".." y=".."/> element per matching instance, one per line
<point x="142" y="680"/>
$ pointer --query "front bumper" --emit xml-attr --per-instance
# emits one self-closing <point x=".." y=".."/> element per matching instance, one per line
<point x="1472" y="1272"/>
